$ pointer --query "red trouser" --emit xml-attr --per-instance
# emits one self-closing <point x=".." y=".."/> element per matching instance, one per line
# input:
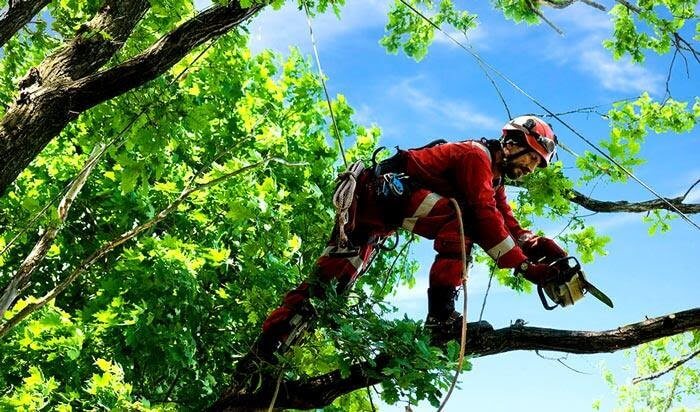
<point x="424" y="213"/>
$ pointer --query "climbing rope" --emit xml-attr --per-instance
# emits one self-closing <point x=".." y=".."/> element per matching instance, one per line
<point x="552" y="114"/>
<point x="323" y="82"/>
<point x="465" y="277"/>
<point x="342" y="199"/>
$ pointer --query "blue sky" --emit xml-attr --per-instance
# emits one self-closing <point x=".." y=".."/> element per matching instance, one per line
<point x="447" y="96"/>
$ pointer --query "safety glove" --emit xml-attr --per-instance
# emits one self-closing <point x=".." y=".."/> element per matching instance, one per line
<point x="537" y="273"/>
<point x="542" y="249"/>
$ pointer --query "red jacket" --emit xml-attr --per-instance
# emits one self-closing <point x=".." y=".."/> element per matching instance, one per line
<point x="464" y="171"/>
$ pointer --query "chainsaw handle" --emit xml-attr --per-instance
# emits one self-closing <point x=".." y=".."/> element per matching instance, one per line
<point x="546" y="305"/>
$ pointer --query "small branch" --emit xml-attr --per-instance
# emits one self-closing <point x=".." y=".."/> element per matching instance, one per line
<point x="126" y="236"/>
<point x="667" y="370"/>
<point x="630" y="6"/>
<point x="21" y="278"/>
<point x="561" y="360"/>
<point x="545" y="19"/>
<point x="686" y="46"/>
<point x="689" y="190"/>
<point x="153" y="62"/>
<point x="566" y="3"/>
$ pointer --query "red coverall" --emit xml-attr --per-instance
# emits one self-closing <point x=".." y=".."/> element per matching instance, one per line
<point x="462" y="170"/>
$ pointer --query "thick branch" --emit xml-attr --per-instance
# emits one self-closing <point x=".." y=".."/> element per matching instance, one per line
<point x="322" y="390"/>
<point x="18" y="14"/>
<point x="207" y="25"/>
<point x="633" y="207"/>
<point x="43" y="107"/>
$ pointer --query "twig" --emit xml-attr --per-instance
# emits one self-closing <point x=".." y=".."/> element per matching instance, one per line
<point x="371" y="402"/>
<point x="567" y="3"/>
<point x="172" y="385"/>
<point x="38" y="253"/>
<point x="277" y="391"/>
<point x="630" y="6"/>
<point x="691" y="188"/>
<point x="561" y="361"/>
<point x="667" y="370"/>
<point x="545" y="19"/>
<point x="668" y="77"/>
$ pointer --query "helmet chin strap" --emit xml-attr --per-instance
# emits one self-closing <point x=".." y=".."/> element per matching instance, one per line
<point x="508" y="158"/>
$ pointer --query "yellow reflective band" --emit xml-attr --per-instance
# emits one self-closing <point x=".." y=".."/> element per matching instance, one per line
<point x="422" y="211"/>
<point x="502" y="248"/>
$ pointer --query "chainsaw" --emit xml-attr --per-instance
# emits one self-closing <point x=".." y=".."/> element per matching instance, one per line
<point x="569" y="286"/>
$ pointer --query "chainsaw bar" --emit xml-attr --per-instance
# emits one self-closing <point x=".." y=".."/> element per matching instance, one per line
<point x="598" y="294"/>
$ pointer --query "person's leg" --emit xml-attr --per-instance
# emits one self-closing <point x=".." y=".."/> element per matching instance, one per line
<point x="343" y="265"/>
<point x="434" y="217"/>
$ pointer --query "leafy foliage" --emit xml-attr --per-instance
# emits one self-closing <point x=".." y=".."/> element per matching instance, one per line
<point x="643" y="26"/>
<point x="675" y="383"/>
<point x="413" y="35"/>
<point x="160" y="322"/>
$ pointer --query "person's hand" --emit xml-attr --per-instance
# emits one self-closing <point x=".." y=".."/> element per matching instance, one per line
<point x="538" y="273"/>
<point x="540" y="248"/>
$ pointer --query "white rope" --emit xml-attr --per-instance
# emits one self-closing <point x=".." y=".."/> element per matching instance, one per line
<point x="343" y="196"/>
<point x="465" y="277"/>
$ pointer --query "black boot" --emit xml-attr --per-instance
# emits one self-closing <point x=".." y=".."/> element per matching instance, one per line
<point x="443" y="322"/>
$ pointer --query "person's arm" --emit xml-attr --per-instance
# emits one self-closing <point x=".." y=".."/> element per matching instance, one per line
<point x="475" y="183"/>
<point x="536" y="248"/>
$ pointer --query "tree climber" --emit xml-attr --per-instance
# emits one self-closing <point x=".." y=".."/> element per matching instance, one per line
<point x="412" y="190"/>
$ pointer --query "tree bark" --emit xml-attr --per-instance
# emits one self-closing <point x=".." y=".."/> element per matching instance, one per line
<point x="67" y="83"/>
<point x="633" y="207"/>
<point x="44" y="105"/>
<point x="321" y="390"/>
<point x="17" y="15"/>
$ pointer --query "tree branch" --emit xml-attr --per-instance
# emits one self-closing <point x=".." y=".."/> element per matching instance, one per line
<point x="320" y="391"/>
<point x="18" y="14"/>
<point x="66" y="84"/>
<point x="21" y="278"/>
<point x="44" y="105"/>
<point x="153" y="62"/>
<point x="561" y="4"/>
<point x="667" y="370"/>
<point x="633" y="207"/>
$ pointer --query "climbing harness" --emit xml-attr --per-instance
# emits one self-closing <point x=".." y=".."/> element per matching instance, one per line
<point x="569" y="286"/>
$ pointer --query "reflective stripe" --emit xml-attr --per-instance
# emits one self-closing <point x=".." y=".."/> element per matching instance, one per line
<point x="502" y="248"/>
<point x="409" y="223"/>
<point x="422" y="211"/>
<point x="356" y="262"/>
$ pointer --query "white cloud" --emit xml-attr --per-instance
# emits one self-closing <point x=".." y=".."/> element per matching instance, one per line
<point x="279" y="29"/>
<point x="581" y="17"/>
<point x="459" y="113"/>
<point x="475" y="37"/>
<point x="618" y="75"/>
<point x="589" y="57"/>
